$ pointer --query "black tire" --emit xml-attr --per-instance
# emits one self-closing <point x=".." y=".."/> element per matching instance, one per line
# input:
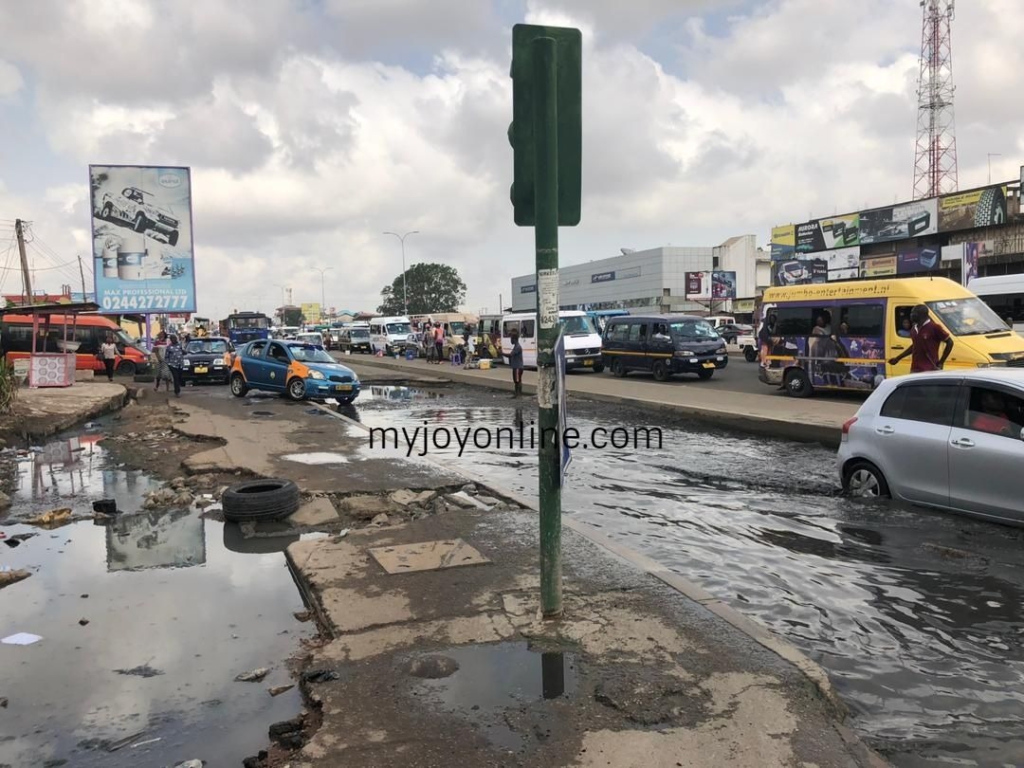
<point x="661" y="371"/>
<point x="863" y="480"/>
<point x="238" y="386"/>
<point x="140" y="222"/>
<point x="296" y="389"/>
<point x="346" y="400"/>
<point x="750" y="355"/>
<point x="269" y="499"/>
<point x="599" y="368"/>
<point x="107" y="212"/>
<point x="618" y="369"/>
<point x="991" y="208"/>
<point x="705" y="373"/>
<point x="172" y="239"/>
<point x="797" y="383"/>
<point x="125" y="368"/>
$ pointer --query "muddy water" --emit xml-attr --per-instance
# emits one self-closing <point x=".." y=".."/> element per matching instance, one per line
<point x="176" y="607"/>
<point x="917" y="616"/>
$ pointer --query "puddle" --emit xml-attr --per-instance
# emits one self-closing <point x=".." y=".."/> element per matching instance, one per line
<point x="316" y="458"/>
<point x="144" y="622"/>
<point x="483" y="683"/>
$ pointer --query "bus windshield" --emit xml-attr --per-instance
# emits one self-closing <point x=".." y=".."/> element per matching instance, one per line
<point x="967" y="317"/>
<point x="398" y="329"/>
<point x="693" y="330"/>
<point x="248" y="321"/>
<point x="577" y="326"/>
<point x="458" y="327"/>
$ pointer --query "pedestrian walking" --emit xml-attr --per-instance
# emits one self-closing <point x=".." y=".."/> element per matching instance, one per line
<point x="439" y="343"/>
<point x="470" y="342"/>
<point x="515" y="362"/>
<point x="108" y="351"/>
<point x="159" y="356"/>
<point x="175" y="357"/>
<point x="925" y="337"/>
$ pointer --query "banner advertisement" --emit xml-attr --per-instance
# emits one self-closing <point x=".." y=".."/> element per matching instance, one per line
<point x="843" y="264"/>
<point x="828" y="234"/>
<point x="970" y="262"/>
<point x="698" y="285"/>
<point x="900" y="222"/>
<point x="310" y="312"/>
<point x="723" y="285"/>
<point x="878" y="266"/>
<point x="143" y="258"/>
<point x="911" y="260"/>
<point x="970" y="210"/>
<point x="783" y="241"/>
<point x="801" y="270"/>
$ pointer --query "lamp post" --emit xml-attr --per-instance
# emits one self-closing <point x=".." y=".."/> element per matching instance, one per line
<point x="322" y="272"/>
<point x="405" y="284"/>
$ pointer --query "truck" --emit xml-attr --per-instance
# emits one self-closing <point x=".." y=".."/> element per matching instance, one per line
<point x="136" y="208"/>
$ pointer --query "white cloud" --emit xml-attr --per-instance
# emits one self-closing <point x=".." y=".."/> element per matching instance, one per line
<point x="10" y="79"/>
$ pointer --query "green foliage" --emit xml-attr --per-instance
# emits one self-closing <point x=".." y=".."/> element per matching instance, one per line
<point x="293" y="317"/>
<point x="8" y="386"/>
<point x="432" y="288"/>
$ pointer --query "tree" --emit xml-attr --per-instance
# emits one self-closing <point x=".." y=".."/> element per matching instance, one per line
<point x="292" y="317"/>
<point x="432" y="288"/>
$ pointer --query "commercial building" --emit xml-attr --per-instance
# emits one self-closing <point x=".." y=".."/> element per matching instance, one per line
<point x="962" y="235"/>
<point x="668" y="279"/>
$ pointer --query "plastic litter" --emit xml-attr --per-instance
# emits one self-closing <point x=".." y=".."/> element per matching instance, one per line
<point x="21" y="638"/>
<point x="54" y="518"/>
<point x="253" y="676"/>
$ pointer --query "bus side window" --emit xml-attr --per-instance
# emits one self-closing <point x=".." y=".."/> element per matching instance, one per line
<point x="527" y="332"/>
<point x="901" y="314"/>
<point x="861" y="320"/>
<point x="794" y="321"/>
<point x="510" y="325"/>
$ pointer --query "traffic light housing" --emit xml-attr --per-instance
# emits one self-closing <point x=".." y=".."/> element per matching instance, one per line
<point x="569" y="78"/>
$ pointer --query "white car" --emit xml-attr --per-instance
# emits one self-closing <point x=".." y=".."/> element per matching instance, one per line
<point x="138" y="209"/>
<point x="951" y="440"/>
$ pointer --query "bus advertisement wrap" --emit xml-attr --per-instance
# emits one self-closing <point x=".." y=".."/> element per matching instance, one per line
<point x="970" y="210"/>
<point x="143" y="258"/>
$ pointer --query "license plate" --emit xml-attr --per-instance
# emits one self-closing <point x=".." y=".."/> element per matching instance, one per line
<point x="343" y="388"/>
<point x="709" y="365"/>
<point x="588" y="363"/>
<point x="200" y="370"/>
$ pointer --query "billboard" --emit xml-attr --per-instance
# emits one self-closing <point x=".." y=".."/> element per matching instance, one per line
<point x="698" y="285"/>
<point x="878" y="266"/>
<point x="802" y="269"/>
<point x="911" y="260"/>
<point x="723" y="285"/>
<point x="828" y="234"/>
<point x="783" y="241"/>
<point x="843" y="263"/>
<point x="143" y="259"/>
<point x="970" y="262"/>
<point x="900" y="222"/>
<point x="970" y="210"/>
<point x="310" y="312"/>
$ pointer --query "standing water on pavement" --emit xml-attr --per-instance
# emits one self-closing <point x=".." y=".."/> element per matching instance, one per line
<point x="917" y="616"/>
<point x="145" y="622"/>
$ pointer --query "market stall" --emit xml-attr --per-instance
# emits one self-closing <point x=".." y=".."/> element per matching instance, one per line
<point x="53" y="359"/>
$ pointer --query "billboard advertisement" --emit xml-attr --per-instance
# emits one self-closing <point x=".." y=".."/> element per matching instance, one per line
<point x="828" y="234"/>
<point x="843" y="263"/>
<point x="900" y="222"/>
<point x="723" y="285"/>
<point x="310" y="312"/>
<point x="783" y="241"/>
<point x="878" y="266"/>
<point x="698" y="285"/>
<point x="142" y="238"/>
<point x="911" y="260"/>
<point x="970" y="262"/>
<point x="970" y="210"/>
<point x="800" y="270"/>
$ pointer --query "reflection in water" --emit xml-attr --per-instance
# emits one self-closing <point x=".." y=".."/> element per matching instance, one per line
<point x="917" y="616"/>
<point x="552" y="666"/>
<point x="156" y="540"/>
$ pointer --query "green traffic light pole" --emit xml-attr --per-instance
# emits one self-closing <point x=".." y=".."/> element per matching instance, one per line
<point x="545" y="126"/>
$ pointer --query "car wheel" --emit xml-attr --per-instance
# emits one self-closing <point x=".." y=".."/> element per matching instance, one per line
<point x="346" y="400"/>
<point x="126" y="368"/>
<point x="619" y="369"/>
<point x="238" y="386"/>
<point x="863" y="480"/>
<point x="107" y="212"/>
<point x="750" y="355"/>
<point x="705" y="374"/>
<point x="797" y="383"/>
<point x="297" y="389"/>
<point x="661" y="371"/>
<point x="268" y="499"/>
<point x="599" y="368"/>
<point x="172" y="239"/>
<point x="140" y="222"/>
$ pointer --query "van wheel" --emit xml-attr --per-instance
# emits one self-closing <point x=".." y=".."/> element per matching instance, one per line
<point x="619" y="369"/>
<point x="126" y="368"/>
<point x="750" y="355"/>
<point x="238" y="386"/>
<point x="863" y="480"/>
<point x="599" y="368"/>
<point x="297" y="389"/>
<point x="797" y="383"/>
<point x="661" y="371"/>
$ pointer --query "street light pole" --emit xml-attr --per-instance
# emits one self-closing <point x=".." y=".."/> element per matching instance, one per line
<point x="322" y="272"/>
<point x="405" y="283"/>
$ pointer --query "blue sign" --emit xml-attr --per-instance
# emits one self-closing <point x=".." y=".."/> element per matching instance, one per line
<point x="143" y="259"/>
<point x="564" y="454"/>
<point x="528" y="289"/>
<point x="602" y="277"/>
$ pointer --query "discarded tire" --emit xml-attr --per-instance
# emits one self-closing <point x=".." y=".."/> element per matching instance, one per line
<point x="260" y="500"/>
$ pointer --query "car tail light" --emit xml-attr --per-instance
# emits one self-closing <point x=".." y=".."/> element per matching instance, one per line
<point x="846" y="427"/>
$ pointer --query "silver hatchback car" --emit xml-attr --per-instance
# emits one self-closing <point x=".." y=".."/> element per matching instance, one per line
<point x="949" y="440"/>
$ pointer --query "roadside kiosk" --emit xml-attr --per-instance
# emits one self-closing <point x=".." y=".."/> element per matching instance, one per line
<point x="53" y="358"/>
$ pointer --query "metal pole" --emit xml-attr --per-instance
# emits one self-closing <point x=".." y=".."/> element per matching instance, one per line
<point x="405" y="281"/>
<point x="26" y="276"/>
<point x="545" y="128"/>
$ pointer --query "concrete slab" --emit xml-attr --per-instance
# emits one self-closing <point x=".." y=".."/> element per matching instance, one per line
<point x="427" y="556"/>
<point x="317" y="511"/>
<point x="40" y="413"/>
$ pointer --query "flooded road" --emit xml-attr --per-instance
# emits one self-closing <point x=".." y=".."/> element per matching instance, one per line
<point x="917" y="616"/>
<point x="145" y="622"/>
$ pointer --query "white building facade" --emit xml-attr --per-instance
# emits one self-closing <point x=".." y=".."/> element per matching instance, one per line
<point x="655" y="280"/>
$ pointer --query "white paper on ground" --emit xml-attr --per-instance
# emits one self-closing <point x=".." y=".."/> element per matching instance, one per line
<point x="21" y="638"/>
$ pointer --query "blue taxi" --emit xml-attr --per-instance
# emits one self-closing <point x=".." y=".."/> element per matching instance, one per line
<point x="301" y="371"/>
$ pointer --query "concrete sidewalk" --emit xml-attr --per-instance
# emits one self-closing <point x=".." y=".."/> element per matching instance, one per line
<point x="39" y="413"/>
<point x="810" y="420"/>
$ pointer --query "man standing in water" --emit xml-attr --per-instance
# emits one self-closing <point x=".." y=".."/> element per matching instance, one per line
<point x="925" y="337"/>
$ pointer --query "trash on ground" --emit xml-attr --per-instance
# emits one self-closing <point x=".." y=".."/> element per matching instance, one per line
<point x="105" y="506"/>
<point x="83" y="622"/>
<point x="141" y="671"/>
<point x="54" y="518"/>
<point x="320" y="675"/>
<point x="277" y="690"/>
<point x="15" y="541"/>
<point x="21" y="638"/>
<point x="254" y="676"/>
<point x="3" y="702"/>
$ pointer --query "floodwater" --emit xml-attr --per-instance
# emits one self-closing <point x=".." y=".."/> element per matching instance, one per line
<point x="173" y="613"/>
<point x="917" y="616"/>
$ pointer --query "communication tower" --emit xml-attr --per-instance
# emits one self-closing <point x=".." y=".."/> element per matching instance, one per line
<point x="935" y="166"/>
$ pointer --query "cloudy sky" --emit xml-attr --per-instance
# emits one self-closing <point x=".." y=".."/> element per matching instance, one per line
<point x="312" y="126"/>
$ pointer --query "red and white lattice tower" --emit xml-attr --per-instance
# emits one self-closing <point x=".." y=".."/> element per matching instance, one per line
<point x="935" y="170"/>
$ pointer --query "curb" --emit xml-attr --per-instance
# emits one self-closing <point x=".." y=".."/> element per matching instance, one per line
<point x="752" y="629"/>
<point x="53" y="425"/>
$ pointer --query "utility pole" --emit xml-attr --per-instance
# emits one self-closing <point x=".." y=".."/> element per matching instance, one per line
<point x="81" y="272"/>
<point x="26" y="276"/>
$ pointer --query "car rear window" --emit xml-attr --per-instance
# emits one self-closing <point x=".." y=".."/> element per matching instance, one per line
<point x="927" y="403"/>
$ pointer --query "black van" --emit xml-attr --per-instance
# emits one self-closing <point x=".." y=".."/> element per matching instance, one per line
<point x="663" y="345"/>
